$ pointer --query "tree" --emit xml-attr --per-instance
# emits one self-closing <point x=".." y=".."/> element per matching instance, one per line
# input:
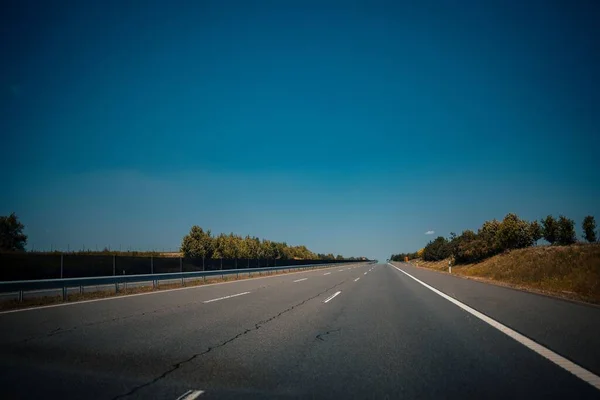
<point x="436" y="250"/>
<point x="589" y="229"/>
<point x="267" y="249"/>
<point x="536" y="231"/>
<point x="514" y="233"/>
<point x="339" y="257"/>
<point x="488" y="233"/>
<point x="197" y="243"/>
<point x="566" y="231"/>
<point x="549" y="229"/>
<point x="11" y="234"/>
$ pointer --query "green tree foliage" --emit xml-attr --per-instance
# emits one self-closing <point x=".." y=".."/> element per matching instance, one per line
<point x="536" y="231"/>
<point x="489" y="232"/>
<point x="549" y="229"/>
<point x="468" y="247"/>
<point x="401" y="256"/>
<point x="514" y="233"/>
<point x="494" y="237"/>
<point x="589" y="229"/>
<point x="566" y="231"/>
<point x="199" y="243"/>
<point x="437" y="249"/>
<point x="11" y="234"/>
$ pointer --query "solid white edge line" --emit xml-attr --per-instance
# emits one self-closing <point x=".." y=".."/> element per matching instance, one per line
<point x="580" y="372"/>
<point x="190" y="395"/>
<point x="356" y="279"/>
<point x="332" y="296"/>
<point x="225" y="297"/>
<point x="300" y="280"/>
<point x="327" y="273"/>
<point x="149" y="293"/>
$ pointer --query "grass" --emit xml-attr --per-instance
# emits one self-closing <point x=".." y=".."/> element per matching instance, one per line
<point x="566" y="271"/>
<point x="75" y="297"/>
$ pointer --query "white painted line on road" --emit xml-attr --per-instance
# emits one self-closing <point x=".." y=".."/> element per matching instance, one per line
<point x="226" y="297"/>
<point x="327" y="273"/>
<point x="331" y="297"/>
<point x="340" y="270"/>
<point x="356" y="279"/>
<point x="190" y="395"/>
<point x="548" y="354"/>
<point x="300" y="280"/>
<point x="74" y="303"/>
<point x="365" y="273"/>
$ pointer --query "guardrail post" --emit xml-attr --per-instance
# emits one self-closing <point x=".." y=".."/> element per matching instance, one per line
<point x="181" y="270"/>
<point x="20" y="296"/>
<point x="64" y="290"/>
<point x="116" y="287"/>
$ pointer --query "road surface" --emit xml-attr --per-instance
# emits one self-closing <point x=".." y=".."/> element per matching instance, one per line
<point x="364" y="332"/>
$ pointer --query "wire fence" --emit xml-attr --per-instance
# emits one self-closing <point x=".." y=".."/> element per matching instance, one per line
<point x="25" y="266"/>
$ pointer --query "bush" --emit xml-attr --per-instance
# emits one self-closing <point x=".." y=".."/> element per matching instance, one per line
<point x="566" y="231"/>
<point x="474" y="251"/>
<point x="436" y="250"/>
<point x="536" y="231"/>
<point x="589" y="229"/>
<point x="513" y="233"/>
<point x="11" y="234"/>
<point x="550" y="229"/>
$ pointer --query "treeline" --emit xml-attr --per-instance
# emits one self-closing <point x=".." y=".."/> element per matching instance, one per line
<point x="495" y="237"/>
<point x="202" y="244"/>
<point x="197" y="244"/>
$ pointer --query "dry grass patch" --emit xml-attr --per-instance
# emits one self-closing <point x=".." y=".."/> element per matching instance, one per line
<point x="567" y="271"/>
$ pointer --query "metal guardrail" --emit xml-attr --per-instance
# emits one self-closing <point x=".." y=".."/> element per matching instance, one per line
<point x="67" y="283"/>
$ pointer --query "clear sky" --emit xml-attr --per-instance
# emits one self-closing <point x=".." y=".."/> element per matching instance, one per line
<point x="350" y="127"/>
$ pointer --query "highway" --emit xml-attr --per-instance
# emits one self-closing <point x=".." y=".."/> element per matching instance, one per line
<point x="369" y="331"/>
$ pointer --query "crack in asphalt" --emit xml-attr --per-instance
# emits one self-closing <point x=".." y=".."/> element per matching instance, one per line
<point x="257" y="326"/>
<point x="320" y="335"/>
<point x="59" y="331"/>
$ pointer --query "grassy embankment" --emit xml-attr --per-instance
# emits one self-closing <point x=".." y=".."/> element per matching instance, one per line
<point x="566" y="271"/>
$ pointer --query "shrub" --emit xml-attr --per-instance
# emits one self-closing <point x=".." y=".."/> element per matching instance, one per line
<point x="488" y="233"/>
<point x="566" y="231"/>
<point x="589" y="229"/>
<point x="536" y="231"/>
<point x="436" y="250"/>
<point x="550" y="229"/>
<point x="513" y="233"/>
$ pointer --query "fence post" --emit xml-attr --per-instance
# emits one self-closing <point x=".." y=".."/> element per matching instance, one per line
<point x="61" y="266"/>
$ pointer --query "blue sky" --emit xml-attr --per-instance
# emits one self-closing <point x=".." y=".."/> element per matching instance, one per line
<point x="350" y="127"/>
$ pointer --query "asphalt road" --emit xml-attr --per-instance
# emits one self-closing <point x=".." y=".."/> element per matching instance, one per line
<point x="364" y="332"/>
